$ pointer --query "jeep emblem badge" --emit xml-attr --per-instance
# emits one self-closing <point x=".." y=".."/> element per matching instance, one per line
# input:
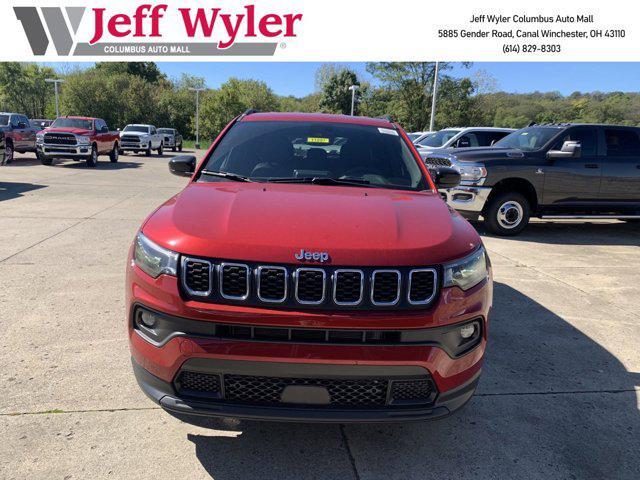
<point x="304" y="256"/>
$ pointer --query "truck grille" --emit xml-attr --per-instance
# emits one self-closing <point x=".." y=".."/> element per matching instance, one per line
<point x="437" y="162"/>
<point x="130" y="139"/>
<point x="342" y="392"/>
<point x="313" y="287"/>
<point x="60" y="139"/>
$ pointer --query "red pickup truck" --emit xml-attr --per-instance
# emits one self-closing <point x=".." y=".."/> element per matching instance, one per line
<point x="19" y="135"/>
<point x="77" y="138"/>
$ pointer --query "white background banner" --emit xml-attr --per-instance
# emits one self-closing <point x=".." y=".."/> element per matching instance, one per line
<point x="327" y="30"/>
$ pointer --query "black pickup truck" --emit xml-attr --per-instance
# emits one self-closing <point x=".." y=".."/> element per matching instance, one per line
<point x="547" y="171"/>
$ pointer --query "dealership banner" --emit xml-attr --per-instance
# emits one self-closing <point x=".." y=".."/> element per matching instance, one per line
<point x="313" y="30"/>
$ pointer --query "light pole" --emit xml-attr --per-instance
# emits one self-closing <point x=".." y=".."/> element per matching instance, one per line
<point x="433" y="99"/>
<point x="55" y="82"/>
<point x="197" y="90"/>
<point x="353" y="89"/>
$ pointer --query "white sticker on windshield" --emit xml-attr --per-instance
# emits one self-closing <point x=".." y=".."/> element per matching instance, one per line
<point x="388" y="131"/>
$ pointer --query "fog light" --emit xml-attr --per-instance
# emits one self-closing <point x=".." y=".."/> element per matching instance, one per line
<point x="148" y="319"/>
<point x="468" y="331"/>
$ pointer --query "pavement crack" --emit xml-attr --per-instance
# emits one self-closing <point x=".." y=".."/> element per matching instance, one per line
<point x="57" y="411"/>
<point x="352" y="459"/>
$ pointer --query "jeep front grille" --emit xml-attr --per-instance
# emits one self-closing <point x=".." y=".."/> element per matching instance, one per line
<point x="291" y="286"/>
<point x="342" y="392"/>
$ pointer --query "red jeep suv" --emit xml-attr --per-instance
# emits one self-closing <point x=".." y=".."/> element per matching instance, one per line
<point x="309" y="271"/>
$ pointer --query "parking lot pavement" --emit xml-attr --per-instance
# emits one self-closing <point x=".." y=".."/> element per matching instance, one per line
<point x="558" y="399"/>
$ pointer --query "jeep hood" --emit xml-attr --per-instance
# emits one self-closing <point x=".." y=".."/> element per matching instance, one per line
<point x="271" y="222"/>
<point x="77" y="131"/>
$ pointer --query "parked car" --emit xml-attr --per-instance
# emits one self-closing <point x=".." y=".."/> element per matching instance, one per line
<point x="77" y="138"/>
<point x="141" y="138"/>
<point x="548" y="171"/>
<point x="41" y="123"/>
<point x="171" y="138"/>
<point x="461" y="138"/>
<point x="413" y="136"/>
<point x="19" y="135"/>
<point x="421" y="137"/>
<point x="334" y="286"/>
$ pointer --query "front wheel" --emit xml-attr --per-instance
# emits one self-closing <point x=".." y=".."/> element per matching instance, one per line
<point x="8" y="153"/>
<point x="180" y="147"/>
<point x="92" y="159"/>
<point x="44" y="160"/>
<point x="148" y="150"/>
<point x="507" y="214"/>
<point x="160" y="150"/>
<point x="115" y="154"/>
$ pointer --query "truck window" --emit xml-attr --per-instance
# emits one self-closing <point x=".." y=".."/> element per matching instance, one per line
<point x="588" y="138"/>
<point x="621" y="142"/>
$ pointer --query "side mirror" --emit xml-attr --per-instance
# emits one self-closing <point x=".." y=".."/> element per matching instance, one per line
<point x="183" y="166"/>
<point x="104" y="129"/>
<point x="570" y="149"/>
<point x="445" y="177"/>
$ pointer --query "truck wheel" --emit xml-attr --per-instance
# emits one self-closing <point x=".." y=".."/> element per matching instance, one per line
<point x="180" y="147"/>
<point x="148" y="151"/>
<point x="160" y="150"/>
<point x="92" y="159"/>
<point x="115" y="154"/>
<point x="174" y="148"/>
<point x="43" y="159"/>
<point x="8" y="153"/>
<point x="507" y="214"/>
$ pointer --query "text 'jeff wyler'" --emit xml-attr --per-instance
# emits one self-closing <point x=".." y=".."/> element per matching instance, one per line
<point x="226" y="27"/>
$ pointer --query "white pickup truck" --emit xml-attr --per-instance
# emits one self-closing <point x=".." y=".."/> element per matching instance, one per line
<point x="141" y="138"/>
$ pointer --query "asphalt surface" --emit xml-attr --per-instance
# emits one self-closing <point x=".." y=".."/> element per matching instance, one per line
<point x="558" y="398"/>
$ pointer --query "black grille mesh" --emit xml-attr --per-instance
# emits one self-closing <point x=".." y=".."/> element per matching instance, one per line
<point x="234" y="281"/>
<point x="60" y="138"/>
<point x="197" y="276"/>
<point x="385" y="287"/>
<point x="437" y="162"/>
<point x="413" y="390"/>
<point x="310" y="285"/>
<point x="348" y="287"/>
<point x="268" y="390"/>
<point x="422" y="286"/>
<point x="198" y="383"/>
<point x="130" y="139"/>
<point x="272" y="284"/>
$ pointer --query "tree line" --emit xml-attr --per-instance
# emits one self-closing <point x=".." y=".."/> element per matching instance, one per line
<point x="136" y="92"/>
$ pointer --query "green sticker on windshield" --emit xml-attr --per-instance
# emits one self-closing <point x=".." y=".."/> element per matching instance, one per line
<point x="317" y="140"/>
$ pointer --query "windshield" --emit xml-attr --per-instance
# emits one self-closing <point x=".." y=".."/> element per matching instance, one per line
<point x="136" y="128"/>
<point x="414" y="136"/>
<point x="73" y="123"/>
<point x="528" y="139"/>
<point x="166" y="130"/>
<point x="438" y="139"/>
<point x="300" y="151"/>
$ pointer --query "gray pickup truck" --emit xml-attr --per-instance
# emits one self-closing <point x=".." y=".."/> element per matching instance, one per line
<point x="172" y="138"/>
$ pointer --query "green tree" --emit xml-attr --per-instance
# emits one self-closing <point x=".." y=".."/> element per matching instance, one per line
<point x="23" y="89"/>
<point x="148" y="71"/>
<point x="336" y="96"/>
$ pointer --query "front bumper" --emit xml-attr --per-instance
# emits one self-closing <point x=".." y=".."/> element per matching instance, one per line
<point x="134" y="146"/>
<point x="464" y="198"/>
<point x="164" y="393"/>
<point x="64" y="151"/>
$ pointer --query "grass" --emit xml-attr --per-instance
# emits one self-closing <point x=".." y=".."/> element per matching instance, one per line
<point x="191" y="144"/>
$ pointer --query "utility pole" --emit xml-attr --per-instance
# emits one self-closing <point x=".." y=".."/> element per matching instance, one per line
<point x="55" y="82"/>
<point x="197" y="90"/>
<point x="433" y="99"/>
<point x="353" y="89"/>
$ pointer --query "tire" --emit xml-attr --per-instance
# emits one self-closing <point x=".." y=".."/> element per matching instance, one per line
<point x="44" y="160"/>
<point x="92" y="159"/>
<point x="9" y="153"/>
<point x="148" y="150"/>
<point x="160" y="149"/>
<point x="173" y="149"/>
<point x="180" y="147"/>
<point x="507" y="214"/>
<point x="115" y="154"/>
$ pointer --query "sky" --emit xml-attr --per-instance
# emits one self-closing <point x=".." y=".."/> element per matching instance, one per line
<point x="298" y="78"/>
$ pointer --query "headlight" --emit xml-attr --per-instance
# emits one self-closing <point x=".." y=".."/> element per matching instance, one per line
<point x="153" y="259"/>
<point x="471" y="173"/>
<point x="468" y="272"/>
<point x="82" y="139"/>
<point x="39" y="137"/>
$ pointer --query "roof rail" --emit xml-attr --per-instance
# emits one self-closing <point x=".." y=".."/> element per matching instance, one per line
<point x="387" y="117"/>
<point x="248" y="111"/>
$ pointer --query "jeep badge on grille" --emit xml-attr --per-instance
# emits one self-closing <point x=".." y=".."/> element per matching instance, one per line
<point x="303" y="256"/>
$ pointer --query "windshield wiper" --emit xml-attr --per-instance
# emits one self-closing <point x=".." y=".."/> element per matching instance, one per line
<point x="323" y="181"/>
<point x="231" y="176"/>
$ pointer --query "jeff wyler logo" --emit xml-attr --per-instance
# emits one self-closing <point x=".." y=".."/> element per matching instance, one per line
<point x="204" y="31"/>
